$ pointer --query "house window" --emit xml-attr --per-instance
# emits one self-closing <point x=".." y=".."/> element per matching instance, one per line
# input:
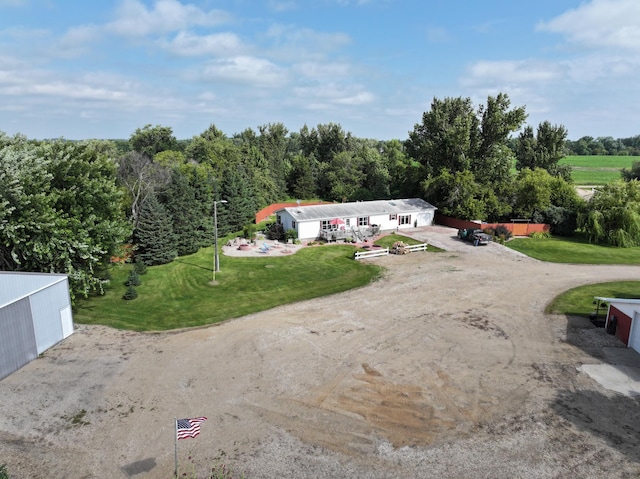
<point x="279" y="219"/>
<point x="325" y="225"/>
<point x="347" y="222"/>
<point x="393" y="217"/>
<point x="293" y="224"/>
<point x="404" y="219"/>
<point x="363" y="221"/>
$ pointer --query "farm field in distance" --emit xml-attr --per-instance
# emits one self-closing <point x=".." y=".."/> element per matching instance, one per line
<point x="597" y="169"/>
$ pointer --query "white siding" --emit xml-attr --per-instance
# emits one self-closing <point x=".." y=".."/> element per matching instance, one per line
<point x="45" y="306"/>
<point x="634" y="333"/>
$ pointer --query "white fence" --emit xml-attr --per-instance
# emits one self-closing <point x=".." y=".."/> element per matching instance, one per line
<point x="384" y="252"/>
<point x="372" y="253"/>
<point x="416" y="247"/>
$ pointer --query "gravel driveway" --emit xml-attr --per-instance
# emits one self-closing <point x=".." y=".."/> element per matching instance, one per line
<point x="446" y="367"/>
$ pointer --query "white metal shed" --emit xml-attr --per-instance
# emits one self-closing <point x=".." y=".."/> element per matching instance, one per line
<point x="35" y="314"/>
<point x="310" y="221"/>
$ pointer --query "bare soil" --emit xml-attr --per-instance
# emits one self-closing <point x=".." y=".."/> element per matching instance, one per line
<point x="447" y="367"/>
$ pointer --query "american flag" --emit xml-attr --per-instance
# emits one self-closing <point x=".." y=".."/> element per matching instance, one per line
<point x="186" y="428"/>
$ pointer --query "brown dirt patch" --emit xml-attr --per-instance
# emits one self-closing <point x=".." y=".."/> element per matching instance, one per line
<point x="446" y="367"/>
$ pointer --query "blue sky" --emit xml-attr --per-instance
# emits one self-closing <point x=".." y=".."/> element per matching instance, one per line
<point x="83" y="69"/>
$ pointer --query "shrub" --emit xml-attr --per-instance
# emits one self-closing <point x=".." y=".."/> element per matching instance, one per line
<point x="274" y="231"/>
<point x="291" y="234"/>
<point x="4" y="474"/>
<point x="140" y="267"/>
<point x="130" y="294"/>
<point x="249" y="231"/>
<point x="500" y="233"/>
<point x="540" y="235"/>
<point x="133" y="279"/>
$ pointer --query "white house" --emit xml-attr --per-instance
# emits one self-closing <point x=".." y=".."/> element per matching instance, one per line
<point x="35" y="314"/>
<point x="358" y="219"/>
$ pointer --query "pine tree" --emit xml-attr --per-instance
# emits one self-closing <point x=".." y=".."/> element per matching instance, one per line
<point x="154" y="236"/>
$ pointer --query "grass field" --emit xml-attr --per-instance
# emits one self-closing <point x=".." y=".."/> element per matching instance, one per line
<point x="579" y="301"/>
<point x="597" y="170"/>
<point x="574" y="250"/>
<point x="179" y="294"/>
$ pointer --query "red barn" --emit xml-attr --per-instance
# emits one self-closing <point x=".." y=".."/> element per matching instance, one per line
<point x="624" y="315"/>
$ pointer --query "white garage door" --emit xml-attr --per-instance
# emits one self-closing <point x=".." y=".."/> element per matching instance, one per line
<point x="634" y="334"/>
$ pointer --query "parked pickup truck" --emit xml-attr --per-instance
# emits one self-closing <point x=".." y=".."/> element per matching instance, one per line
<point x="475" y="236"/>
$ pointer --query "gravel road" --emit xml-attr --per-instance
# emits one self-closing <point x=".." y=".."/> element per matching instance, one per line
<point x="446" y="367"/>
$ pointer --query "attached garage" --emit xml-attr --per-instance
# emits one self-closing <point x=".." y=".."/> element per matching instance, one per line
<point x="35" y="314"/>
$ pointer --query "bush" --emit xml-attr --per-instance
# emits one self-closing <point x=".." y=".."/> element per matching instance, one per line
<point x="540" y="235"/>
<point x="130" y="294"/>
<point x="274" y="231"/>
<point x="140" y="267"/>
<point x="4" y="474"/>
<point x="291" y="234"/>
<point x="133" y="279"/>
<point x="500" y="233"/>
<point x="249" y="231"/>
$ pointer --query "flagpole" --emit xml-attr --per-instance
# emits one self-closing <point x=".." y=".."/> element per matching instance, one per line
<point x="175" y="442"/>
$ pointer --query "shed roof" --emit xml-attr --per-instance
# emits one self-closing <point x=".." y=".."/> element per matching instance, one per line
<point x="17" y="285"/>
<point x="627" y="306"/>
<point x="358" y="208"/>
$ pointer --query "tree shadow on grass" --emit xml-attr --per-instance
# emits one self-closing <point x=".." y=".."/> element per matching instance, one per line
<point x="194" y="265"/>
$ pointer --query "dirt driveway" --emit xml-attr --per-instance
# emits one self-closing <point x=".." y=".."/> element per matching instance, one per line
<point x="447" y="367"/>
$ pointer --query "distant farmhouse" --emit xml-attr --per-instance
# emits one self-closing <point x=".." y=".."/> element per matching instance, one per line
<point x="357" y="220"/>
<point x="35" y="314"/>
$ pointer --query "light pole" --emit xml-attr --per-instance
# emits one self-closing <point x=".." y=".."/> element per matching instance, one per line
<point x="216" y="259"/>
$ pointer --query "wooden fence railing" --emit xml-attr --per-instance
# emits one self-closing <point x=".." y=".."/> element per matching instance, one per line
<point x="371" y="253"/>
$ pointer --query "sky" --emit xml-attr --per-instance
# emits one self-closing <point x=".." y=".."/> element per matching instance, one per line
<point x="80" y="69"/>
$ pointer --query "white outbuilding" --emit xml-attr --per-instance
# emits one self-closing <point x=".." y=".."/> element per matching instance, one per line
<point x="357" y="220"/>
<point x="35" y="314"/>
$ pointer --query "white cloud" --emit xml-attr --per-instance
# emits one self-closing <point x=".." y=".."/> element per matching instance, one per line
<point x="600" y="23"/>
<point x="217" y="44"/>
<point x="325" y="94"/>
<point x="282" y="5"/>
<point x="292" y="43"/>
<point x="77" y="41"/>
<point x="506" y="73"/>
<point x="136" y="20"/>
<point x="246" y="69"/>
<point x="319" y="70"/>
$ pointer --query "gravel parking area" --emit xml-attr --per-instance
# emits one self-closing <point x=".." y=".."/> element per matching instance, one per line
<point x="447" y="367"/>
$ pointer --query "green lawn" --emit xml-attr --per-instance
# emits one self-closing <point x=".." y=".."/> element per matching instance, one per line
<point x="574" y="250"/>
<point x="579" y="301"/>
<point x="178" y="295"/>
<point x="616" y="162"/>
<point x="597" y="170"/>
<point x="594" y="177"/>
<point x="388" y="241"/>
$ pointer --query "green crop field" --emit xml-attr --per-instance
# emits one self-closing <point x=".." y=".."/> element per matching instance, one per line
<point x="597" y="170"/>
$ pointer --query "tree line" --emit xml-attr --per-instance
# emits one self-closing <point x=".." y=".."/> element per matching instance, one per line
<point x="69" y="206"/>
<point x="604" y="146"/>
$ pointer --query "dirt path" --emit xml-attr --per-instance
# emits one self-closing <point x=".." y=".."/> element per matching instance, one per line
<point x="447" y="367"/>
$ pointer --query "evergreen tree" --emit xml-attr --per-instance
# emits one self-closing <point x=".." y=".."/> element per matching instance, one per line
<point x="154" y="236"/>
<point x="189" y="201"/>
<point x="240" y="207"/>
